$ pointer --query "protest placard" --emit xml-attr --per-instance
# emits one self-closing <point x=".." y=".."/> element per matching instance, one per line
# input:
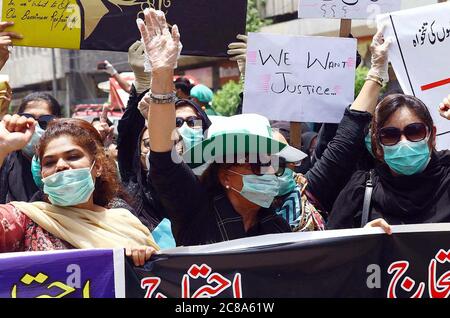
<point x="419" y="56"/>
<point x="346" y="9"/>
<point x="71" y="274"/>
<point x="299" y="79"/>
<point x="111" y="25"/>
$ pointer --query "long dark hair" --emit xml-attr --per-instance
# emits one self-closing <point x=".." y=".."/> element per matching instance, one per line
<point x="55" y="107"/>
<point x="107" y="185"/>
<point x="390" y="104"/>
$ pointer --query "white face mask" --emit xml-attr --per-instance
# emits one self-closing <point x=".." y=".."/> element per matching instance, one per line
<point x="69" y="187"/>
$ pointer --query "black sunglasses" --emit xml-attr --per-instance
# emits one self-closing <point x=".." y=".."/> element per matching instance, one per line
<point x="278" y="165"/>
<point x="191" y="121"/>
<point x="390" y="136"/>
<point x="42" y="120"/>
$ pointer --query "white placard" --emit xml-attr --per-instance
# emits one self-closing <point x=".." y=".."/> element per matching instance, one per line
<point x="299" y="79"/>
<point x="420" y="57"/>
<point x="346" y="9"/>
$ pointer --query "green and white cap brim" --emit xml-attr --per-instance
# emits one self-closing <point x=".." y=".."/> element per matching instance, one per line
<point x="229" y="137"/>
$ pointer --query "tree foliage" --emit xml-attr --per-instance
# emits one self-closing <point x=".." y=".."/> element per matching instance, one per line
<point x="226" y="99"/>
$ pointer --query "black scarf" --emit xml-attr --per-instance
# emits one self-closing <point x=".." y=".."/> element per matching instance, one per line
<point x="420" y="198"/>
<point x="16" y="180"/>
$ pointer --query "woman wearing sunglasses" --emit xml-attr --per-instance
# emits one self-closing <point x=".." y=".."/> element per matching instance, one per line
<point x="233" y="197"/>
<point x="16" y="180"/>
<point x="411" y="181"/>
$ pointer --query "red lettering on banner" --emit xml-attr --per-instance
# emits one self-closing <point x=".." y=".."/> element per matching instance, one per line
<point x="216" y="284"/>
<point x="437" y="287"/>
<point x="407" y="284"/>
<point x="209" y="291"/>
<point x="151" y="283"/>
<point x="441" y="287"/>
<point x="237" y="286"/>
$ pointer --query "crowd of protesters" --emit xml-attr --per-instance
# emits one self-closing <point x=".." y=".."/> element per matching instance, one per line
<point x="67" y="183"/>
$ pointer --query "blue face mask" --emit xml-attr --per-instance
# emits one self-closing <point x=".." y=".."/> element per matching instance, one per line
<point x="407" y="157"/>
<point x="69" y="187"/>
<point x="29" y="149"/>
<point x="191" y="136"/>
<point x="260" y="190"/>
<point x="368" y="141"/>
<point x="287" y="182"/>
<point x="36" y="172"/>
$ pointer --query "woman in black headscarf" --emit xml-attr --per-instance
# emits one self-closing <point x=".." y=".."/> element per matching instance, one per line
<point x="411" y="181"/>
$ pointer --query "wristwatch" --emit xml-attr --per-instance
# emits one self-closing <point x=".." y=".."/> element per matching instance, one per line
<point x="163" y="98"/>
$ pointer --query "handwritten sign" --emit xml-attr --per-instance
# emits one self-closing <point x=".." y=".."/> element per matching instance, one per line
<point x="300" y="79"/>
<point x="45" y="23"/>
<point x="346" y="9"/>
<point x="69" y="274"/>
<point x="111" y="24"/>
<point x="419" y="56"/>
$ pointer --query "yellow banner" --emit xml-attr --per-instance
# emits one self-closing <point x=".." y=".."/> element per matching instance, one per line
<point x="44" y="23"/>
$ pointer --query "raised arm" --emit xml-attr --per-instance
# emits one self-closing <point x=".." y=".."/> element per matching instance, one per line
<point x="15" y="132"/>
<point x="162" y="48"/>
<point x="133" y="121"/>
<point x="329" y="175"/>
<point x="176" y="185"/>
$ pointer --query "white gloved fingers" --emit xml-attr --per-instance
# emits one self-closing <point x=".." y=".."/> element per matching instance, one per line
<point x="176" y="35"/>
<point x="237" y="52"/>
<point x="386" y="44"/>
<point x="164" y="29"/>
<point x="237" y="46"/>
<point x="149" y="22"/>
<point x="134" y="47"/>
<point x="163" y="48"/>
<point x="144" y="32"/>
<point x="242" y="37"/>
<point x="379" y="36"/>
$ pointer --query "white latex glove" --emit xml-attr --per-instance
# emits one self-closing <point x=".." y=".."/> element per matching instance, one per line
<point x="380" y="62"/>
<point x="444" y="108"/>
<point x="239" y="50"/>
<point x="162" y="48"/>
<point x="144" y="105"/>
<point x="136" y="59"/>
<point x="110" y="69"/>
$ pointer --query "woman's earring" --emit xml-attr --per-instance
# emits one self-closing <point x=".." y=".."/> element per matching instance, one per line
<point x="227" y="187"/>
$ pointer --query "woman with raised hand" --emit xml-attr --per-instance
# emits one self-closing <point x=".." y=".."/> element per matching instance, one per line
<point x="79" y="182"/>
<point x="233" y="199"/>
<point x="411" y="181"/>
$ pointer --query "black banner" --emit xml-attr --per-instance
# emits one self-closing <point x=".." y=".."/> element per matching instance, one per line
<point x="413" y="262"/>
<point x="206" y="26"/>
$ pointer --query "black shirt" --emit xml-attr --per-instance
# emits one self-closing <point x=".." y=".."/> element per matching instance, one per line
<point x="16" y="180"/>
